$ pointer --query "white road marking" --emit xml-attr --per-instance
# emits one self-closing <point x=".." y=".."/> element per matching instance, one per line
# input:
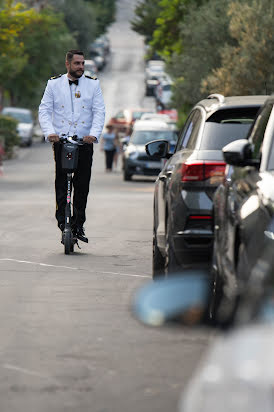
<point x="73" y="268"/>
<point x="28" y="372"/>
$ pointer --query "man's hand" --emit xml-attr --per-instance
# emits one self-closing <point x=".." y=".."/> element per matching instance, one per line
<point x="53" y="138"/>
<point x="89" y="139"/>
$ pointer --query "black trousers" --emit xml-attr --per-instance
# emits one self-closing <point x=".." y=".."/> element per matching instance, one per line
<point x="109" y="158"/>
<point x="81" y="180"/>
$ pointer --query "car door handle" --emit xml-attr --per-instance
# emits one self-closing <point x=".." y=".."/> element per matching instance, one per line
<point x="169" y="173"/>
<point x="163" y="178"/>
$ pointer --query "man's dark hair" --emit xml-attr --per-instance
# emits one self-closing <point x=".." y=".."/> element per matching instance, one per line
<point x="71" y="53"/>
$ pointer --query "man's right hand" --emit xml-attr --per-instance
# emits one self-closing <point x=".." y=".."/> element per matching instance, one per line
<point x="53" y="138"/>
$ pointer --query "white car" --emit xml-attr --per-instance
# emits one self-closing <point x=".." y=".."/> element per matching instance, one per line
<point x="25" y="124"/>
<point x="90" y="68"/>
<point x="163" y="94"/>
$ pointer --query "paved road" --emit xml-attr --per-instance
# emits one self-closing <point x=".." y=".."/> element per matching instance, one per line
<point x="68" y="341"/>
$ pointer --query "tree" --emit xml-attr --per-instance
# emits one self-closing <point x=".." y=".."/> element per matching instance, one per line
<point x="203" y="33"/>
<point x="31" y="52"/>
<point x="13" y="19"/>
<point x="81" y="24"/>
<point x="247" y="66"/>
<point x="167" y="37"/>
<point x="146" y="14"/>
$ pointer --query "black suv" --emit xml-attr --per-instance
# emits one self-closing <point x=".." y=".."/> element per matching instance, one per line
<point x="244" y="208"/>
<point x="183" y="226"/>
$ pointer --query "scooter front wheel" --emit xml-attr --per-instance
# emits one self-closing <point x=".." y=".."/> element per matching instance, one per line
<point x="68" y="241"/>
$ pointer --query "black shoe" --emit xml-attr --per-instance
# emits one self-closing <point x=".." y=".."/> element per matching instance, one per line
<point x="80" y="234"/>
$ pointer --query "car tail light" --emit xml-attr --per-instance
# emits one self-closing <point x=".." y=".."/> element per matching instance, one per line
<point x="200" y="217"/>
<point x="198" y="171"/>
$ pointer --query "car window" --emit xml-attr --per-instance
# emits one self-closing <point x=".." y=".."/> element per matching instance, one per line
<point x="141" y="137"/>
<point x="20" y="116"/>
<point x="257" y="133"/>
<point x="186" y="132"/>
<point x="227" y="125"/>
<point x="196" y="124"/>
<point x="120" y="115"/>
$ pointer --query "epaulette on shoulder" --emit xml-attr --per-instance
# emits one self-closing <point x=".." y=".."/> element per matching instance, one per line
<point x="55" y="77"/>
<point x="91" y="77"/>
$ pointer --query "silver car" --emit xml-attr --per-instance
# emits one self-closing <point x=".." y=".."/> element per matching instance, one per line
<point x="135" y="159"/>
<point x="25" y="124"/>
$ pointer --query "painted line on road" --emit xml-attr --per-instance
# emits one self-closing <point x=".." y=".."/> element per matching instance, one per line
<point x="36" y="263"/>
<point x="28" y="372"/>
<point x="73" y="268"/>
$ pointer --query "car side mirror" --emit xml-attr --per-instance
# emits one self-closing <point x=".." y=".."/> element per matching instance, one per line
<point x="239" y="153"/>
<point x="158" y="149"/>
<point x="182" y="299"/>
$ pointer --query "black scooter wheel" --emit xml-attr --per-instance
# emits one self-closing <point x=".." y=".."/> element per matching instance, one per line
<point x="67" y="242"/>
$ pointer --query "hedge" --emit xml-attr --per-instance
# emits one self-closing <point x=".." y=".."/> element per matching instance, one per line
<point x="8" y="134"/>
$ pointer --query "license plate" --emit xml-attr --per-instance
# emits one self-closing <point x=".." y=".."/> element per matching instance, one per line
<point x="154" y="165"/>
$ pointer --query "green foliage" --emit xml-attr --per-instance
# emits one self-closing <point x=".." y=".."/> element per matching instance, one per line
<point x="146" y="14"/>
<point x="246" y="67"/>
<point x="202" y="49"/>
<point x="43" y="56"/>
<point x="8" y="134"/>
<point x="13" y="19"/>
<point x="80" y="20"/>
<point x="104" y="14"/>
<point x="167" y="37"/>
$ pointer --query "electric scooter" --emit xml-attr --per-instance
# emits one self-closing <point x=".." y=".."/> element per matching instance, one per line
<point x="69" y="159"/>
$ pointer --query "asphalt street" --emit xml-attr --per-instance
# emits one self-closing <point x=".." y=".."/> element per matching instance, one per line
<point x="68" y="339"/>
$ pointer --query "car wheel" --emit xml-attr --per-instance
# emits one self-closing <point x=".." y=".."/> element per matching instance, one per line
<point x="127" y="176"/>
<point x="158" y="261"/>
<point x="171" y="264"/>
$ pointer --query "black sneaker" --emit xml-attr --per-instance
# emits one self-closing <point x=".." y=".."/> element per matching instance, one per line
<point x="80" y="234"/>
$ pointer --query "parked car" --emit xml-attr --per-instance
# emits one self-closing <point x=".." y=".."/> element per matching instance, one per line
<point x="97" y="54"/>
<point x="153" y="73"/>
<point x="243" y="207"/>
<point x="135" y="159"/>
<point x="25" y="125"/>
<point x="163" y="94"/>
<point x="90" y="68"/>
<point x="125" y="118"/>
<point x="184" y="189"/>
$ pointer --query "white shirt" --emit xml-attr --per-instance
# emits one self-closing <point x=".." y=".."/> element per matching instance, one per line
<point x="74" y="110"/>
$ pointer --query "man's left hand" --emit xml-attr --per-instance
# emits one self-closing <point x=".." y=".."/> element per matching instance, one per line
<point x="89" y="139"/>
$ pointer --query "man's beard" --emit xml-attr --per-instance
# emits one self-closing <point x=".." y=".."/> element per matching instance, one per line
<point x="76" y="74"/>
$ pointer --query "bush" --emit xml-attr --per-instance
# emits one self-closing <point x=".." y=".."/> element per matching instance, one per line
<point x="8" y="134"/>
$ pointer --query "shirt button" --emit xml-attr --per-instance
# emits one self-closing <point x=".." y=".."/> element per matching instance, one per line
<point x="62" y="106"/>
<point x="62" y="121"/>
<point x="83" y="107"/>
<point x="83" y="122"/>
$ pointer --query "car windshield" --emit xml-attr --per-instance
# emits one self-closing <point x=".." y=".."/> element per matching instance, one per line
<point x="226" y="126"/>
<point x="137" y="115"/>
<point x="141" y="137"/>
<point x="20" y="116"/>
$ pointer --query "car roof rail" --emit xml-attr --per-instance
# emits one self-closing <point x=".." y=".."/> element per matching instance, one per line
<point x="217" y="96"/>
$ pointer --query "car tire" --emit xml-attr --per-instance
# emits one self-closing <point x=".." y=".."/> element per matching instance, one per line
<point x="127" y="176"/>
<point x="158" y="261"/>
<point x="171" y="264"/>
